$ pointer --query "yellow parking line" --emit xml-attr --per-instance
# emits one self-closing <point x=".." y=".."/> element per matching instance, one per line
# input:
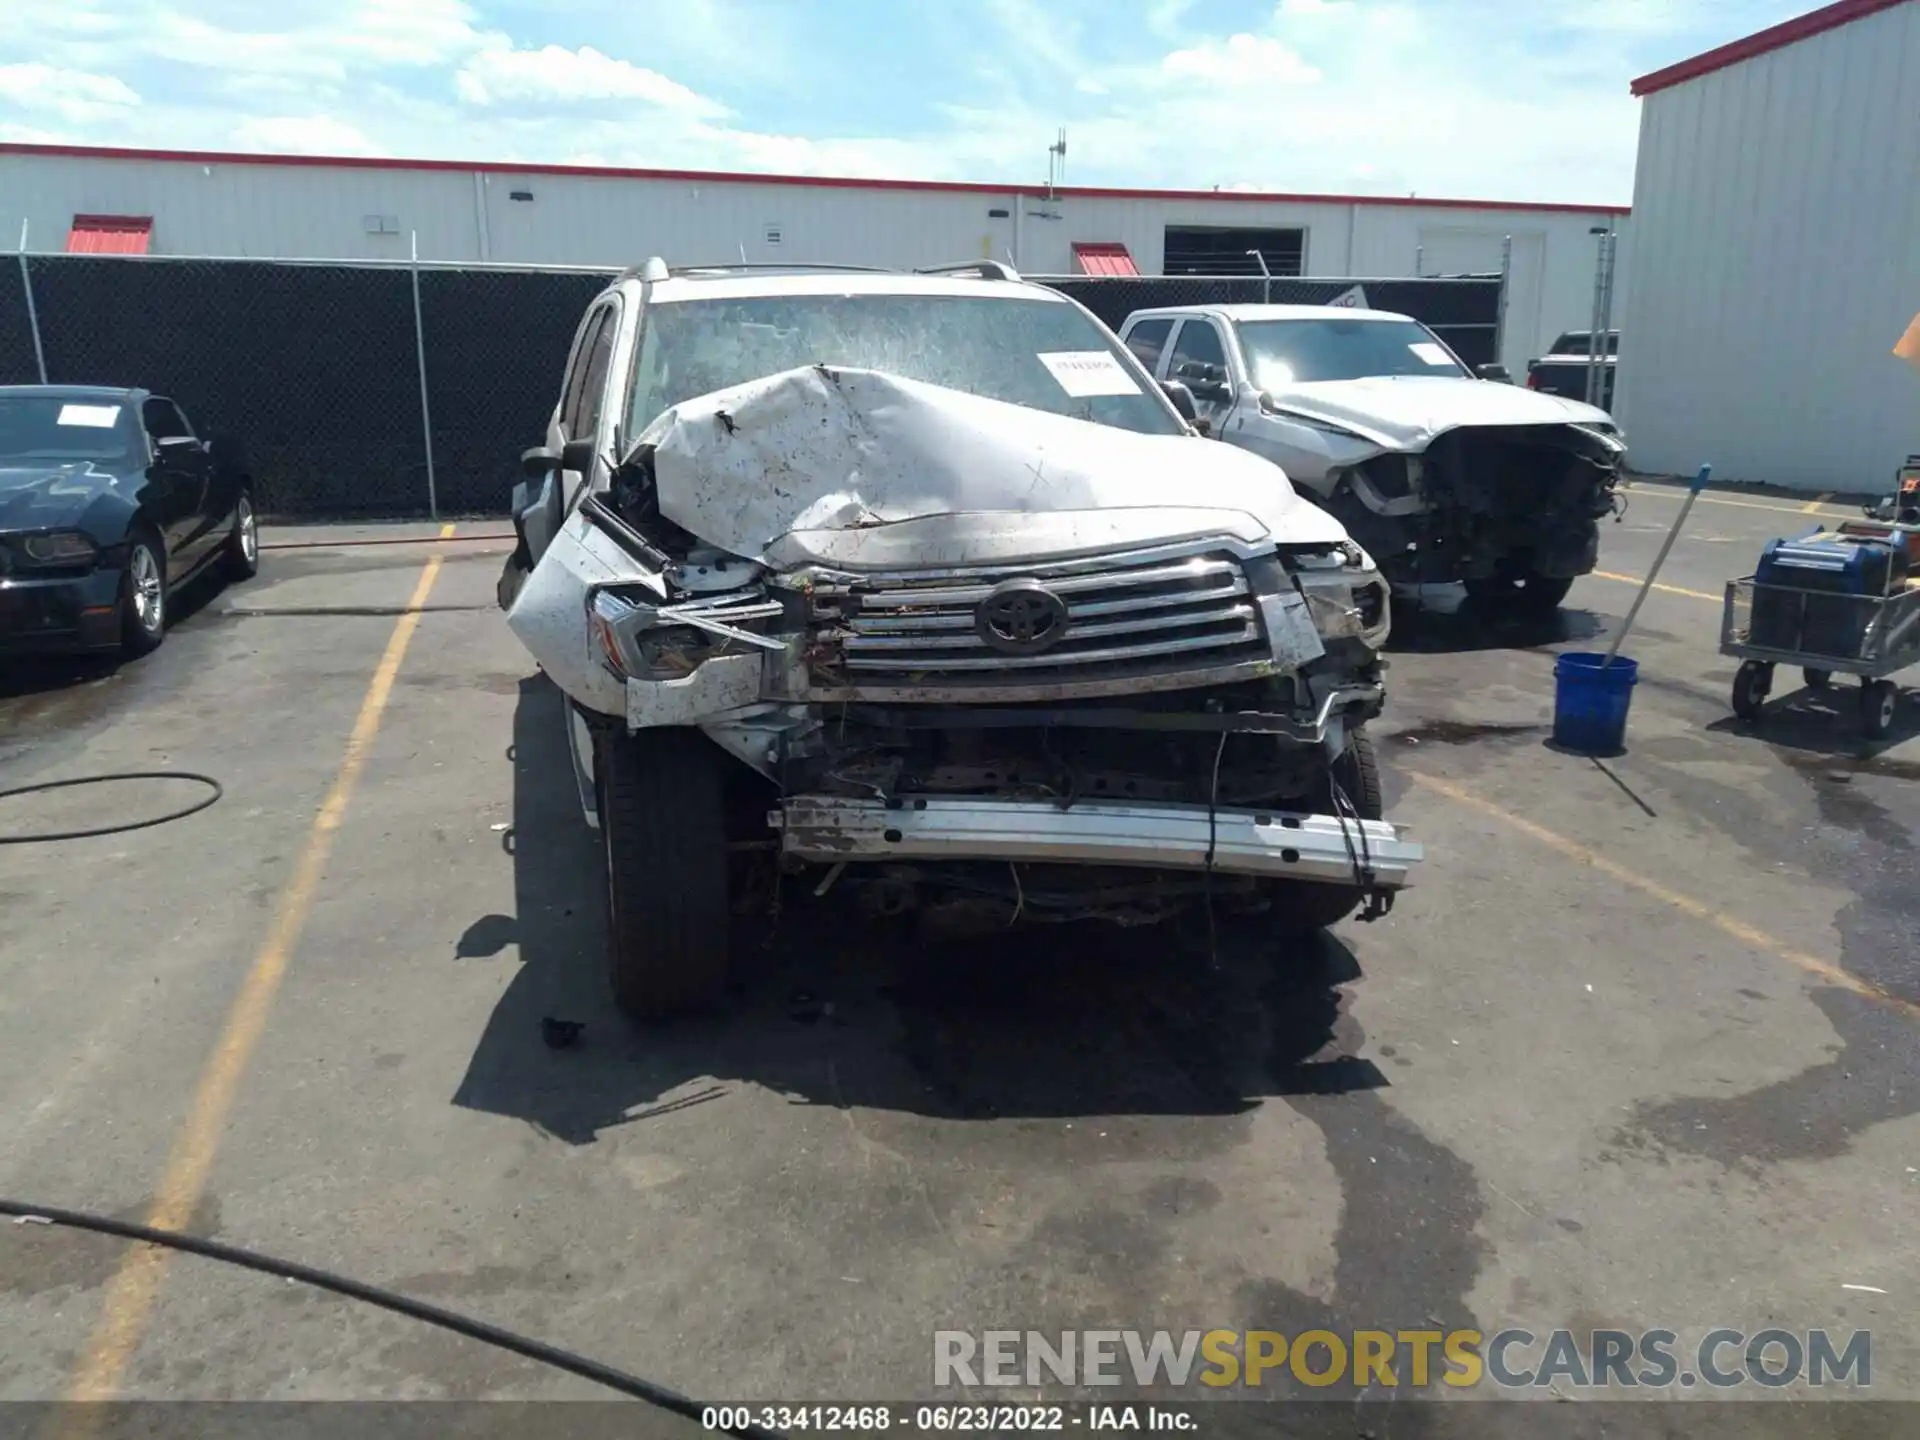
<point x="136" y="1283"/>
<point x="1664" y="492"/>
<point x="1667" y="589"/>
<point x="1729" y="925"/>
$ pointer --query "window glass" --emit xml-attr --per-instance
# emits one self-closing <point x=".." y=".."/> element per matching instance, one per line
<point x="584" y="413"/>
<point x="52" y="427"/>
<point x="1148" y="339"/>
<point x="1198" y="342"/>
<point x="590" y="377"/>
<point x="1299" y="352"/>
<point x="991" y="346"/>
<point x="164" y="420"/>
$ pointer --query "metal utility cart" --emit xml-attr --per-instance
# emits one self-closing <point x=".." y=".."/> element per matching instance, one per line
<point x="1825" y="633"/>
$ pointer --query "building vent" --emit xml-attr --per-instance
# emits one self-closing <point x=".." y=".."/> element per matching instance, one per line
<point x="522" y="195"/>
<point x="110" y="235"/>
<point x="773" y="234"/>
<point x="382" y="224"/>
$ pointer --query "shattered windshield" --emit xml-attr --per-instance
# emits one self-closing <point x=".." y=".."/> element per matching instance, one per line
<point x="1043" y="354"/>
<point x="1281" y="353"/>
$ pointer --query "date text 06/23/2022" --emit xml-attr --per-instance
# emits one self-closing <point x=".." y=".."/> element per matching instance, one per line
<point x="961" y="1417"/>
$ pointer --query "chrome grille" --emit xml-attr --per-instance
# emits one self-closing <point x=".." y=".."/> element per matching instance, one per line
<point x="1158" y="614"/>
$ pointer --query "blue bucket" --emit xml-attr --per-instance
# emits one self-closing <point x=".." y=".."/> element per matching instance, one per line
<point x="1590" y="704"/>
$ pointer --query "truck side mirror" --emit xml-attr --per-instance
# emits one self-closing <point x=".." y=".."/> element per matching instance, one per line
<point x="1493" y="372"/>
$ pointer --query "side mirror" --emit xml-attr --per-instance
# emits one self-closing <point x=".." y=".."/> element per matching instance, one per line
<point x="1493" y="372"/>
<point x="1533" y="362"/>
<point x="577" y="455"/>
<point x="538" y="463"/>
<point x="1203" y="425"/>
<point x="1182" y="399"/>
<point x="176" y="445"/>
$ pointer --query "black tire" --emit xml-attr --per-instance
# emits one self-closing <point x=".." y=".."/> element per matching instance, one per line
<point x="1515" y="590"/>
<point x="1752" y="683"/>
<point x="143" y="596"/>
<point x="1303" y="906"/>
<point x="1879" y="704"/>
<point x="240" y="556"/>
<point x="663" y="829"/>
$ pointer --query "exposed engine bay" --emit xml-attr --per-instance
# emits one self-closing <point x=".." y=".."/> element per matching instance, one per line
<point x="1480" y="498"/>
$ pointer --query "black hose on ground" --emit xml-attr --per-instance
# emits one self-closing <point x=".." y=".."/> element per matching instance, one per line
<point x="45" y="837"/>
<point x="593" y="1370"/>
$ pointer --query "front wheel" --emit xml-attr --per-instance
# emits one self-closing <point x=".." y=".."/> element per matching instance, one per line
<point x="1304" y="906"/>
<point x="663" y="829"/>
<point x="143" y="598"/>
<point x="1879" y="703"/>
<point x="1517" y="590"/>
<point x="1752" y="682"/>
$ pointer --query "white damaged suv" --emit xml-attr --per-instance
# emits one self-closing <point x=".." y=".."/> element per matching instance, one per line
<point x="918" y="585"/>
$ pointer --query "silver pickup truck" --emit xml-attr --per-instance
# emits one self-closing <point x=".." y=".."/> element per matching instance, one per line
<point x="918" y="585"/>
<point x="1444" y="476"/>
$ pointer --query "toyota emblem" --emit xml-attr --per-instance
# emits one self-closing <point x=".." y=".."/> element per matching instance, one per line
<point x="1021" y="617"/>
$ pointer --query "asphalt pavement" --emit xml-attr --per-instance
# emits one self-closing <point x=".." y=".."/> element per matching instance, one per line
<point x="1638" y="1051"/>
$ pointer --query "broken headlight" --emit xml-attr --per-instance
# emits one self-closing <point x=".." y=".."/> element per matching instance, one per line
<point x="1346" y="606"/>
<point x="674" y="651"/>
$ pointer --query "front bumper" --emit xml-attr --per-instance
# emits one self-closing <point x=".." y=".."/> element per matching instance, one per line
<point x="1271" y="844"/>
<point x="60" y="613"/>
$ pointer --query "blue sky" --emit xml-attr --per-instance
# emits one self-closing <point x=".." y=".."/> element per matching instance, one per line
<point x="1496" y="99"/>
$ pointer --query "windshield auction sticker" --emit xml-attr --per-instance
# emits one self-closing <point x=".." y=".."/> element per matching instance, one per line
<point x="1088" y="372"/>
<point x="92" y="417"/>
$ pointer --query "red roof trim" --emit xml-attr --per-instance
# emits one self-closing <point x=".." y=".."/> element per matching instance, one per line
<point x="109" y="234"/>
<point x="845" y="182"/>
<point x="1761" y="42"/>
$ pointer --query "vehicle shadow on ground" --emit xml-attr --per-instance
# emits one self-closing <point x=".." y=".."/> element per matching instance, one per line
<point x="828" y="1008"/>
<point x="23" y="676"/>
<point x="1423" y="629"/>
<point x="1825" y="724"/>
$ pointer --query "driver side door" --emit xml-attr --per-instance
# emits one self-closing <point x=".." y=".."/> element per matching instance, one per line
<point x="1198" y="359"/>
<point x="178" y="482"/>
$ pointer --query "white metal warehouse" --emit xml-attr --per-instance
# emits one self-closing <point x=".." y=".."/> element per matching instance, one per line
<point x="302" y="207"/>
<point x="1774" y="256"/>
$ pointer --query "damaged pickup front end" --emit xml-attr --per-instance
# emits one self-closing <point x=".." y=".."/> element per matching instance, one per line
<point x="1510" y="504"/>
<point x="982" y="662"/>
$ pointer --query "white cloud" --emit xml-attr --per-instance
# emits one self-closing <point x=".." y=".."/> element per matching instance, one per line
<point x="303" y="135"/>
<point x="1240" y="60"/>
<point x="554" y="75"/>
<point x="72" y="95"/>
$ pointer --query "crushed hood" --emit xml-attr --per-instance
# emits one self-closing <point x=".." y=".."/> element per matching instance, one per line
<point x="829" y="459"/>
<point x="1407" y="412"/>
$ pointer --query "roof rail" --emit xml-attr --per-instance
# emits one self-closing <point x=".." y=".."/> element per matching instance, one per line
<point x="733" y="266"/>
<point x="985" y="269"/>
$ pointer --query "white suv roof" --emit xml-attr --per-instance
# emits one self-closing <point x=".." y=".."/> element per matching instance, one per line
<point x="727" y="282"/>
<point x="1265" y="312"/>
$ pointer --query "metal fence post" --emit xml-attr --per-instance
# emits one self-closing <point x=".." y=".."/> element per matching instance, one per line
<point x="1593" y="318"/>
<point x="33" y="313"/>
<point x="420" y="354"/>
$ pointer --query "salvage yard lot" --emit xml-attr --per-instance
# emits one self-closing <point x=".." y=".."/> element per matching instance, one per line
<point x="1638" y="1050"/>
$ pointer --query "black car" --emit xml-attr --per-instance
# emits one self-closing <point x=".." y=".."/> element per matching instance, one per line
<point x="109" y="503"/>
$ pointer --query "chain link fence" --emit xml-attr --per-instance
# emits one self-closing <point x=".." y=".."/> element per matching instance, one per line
<point x="316" y="368"/>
